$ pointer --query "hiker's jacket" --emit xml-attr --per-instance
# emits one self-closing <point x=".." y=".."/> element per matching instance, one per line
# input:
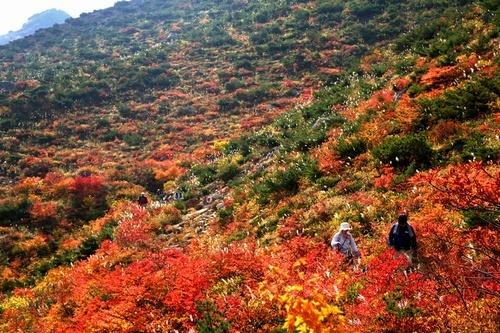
<point x="402" y="237"/>
<point x="345" y="244"/>
<point x="143" y="201"/>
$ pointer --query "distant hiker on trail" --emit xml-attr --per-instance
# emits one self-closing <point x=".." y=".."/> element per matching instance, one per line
<point x="343" y="242"/>
<point x="142" y="200"/>
<point x="402" y="237"/>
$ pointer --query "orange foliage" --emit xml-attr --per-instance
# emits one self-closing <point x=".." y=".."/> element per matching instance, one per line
<point x="171" y="173"/>
<point x="385" y="180"/>
<point x="41" y="211"/>
<point x="437" y="76"/>
<point x="406" y="112"/>
<point x="330" y="70"/>
<point x="329" y="162"/>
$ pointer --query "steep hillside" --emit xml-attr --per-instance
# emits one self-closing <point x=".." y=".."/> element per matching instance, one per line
<point x="36" y="22"/>
<point x="266" y="124"/>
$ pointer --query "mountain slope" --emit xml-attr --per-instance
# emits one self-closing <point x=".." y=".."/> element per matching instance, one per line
<point x="45" y="19"/>
<point x="326" y="112"/>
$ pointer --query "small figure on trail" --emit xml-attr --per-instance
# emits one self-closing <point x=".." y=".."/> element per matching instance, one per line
<point x="161" y="195"/>
<point x="403" y="237"/>
<point x="142" y="200"/>
<point x="343" y="242"/>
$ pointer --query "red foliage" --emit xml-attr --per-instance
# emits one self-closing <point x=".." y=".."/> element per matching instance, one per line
<point x="133" y="230"/>
<point x="87" y="186"/>
<point x="385" y="180"/>
<point x="464" y="186"/>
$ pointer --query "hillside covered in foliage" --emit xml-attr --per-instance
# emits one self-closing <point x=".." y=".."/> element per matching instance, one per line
<point x="255" y="128"/>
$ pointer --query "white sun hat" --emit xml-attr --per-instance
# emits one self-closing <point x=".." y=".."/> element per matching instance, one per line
<point x="345" y="226"/>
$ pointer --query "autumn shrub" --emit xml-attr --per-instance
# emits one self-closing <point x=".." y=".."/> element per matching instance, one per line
<point x="35" y="167"/>
<point x="134" y="232"/>
<point x="88" y="247"/>
<point x="472" y="186"/>
<point x="168" y="215"/>
<point x="88" y="197"/>
<point x="402" y="151"/>
<point x="445" y="130"/>
<point x="141" y="175"/>
<point x="44" y="214"/>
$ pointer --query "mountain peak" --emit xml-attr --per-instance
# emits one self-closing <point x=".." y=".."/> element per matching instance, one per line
<point x="42" y="20"/>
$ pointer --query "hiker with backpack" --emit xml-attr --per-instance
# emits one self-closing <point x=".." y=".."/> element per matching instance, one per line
<point x="344" y="243"/>
<point x="142" y="200"/>
<point x="402" y="237"/>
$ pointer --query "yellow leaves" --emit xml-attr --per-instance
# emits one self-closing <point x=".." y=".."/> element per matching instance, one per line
<point x="15" y="302"/>
<point x="220" y="144"/>
<point x="312" y="313"/>
<point x="228" y="286"/>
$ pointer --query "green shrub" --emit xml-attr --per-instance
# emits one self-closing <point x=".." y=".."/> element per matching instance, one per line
<point x="287" y="181"/>
<point x="133" y="139"/>
<point x="212" y="320"/>
<point x="234" y="84"/>
<point x="228" y="105"/>
<point x="254" y="96"/>
<point x="475" y="148"/>
<point x="125" y="111"/>
<point x="284" y="180"/>
<point x="241" y="145"/>
<point x="205" y="173"/>
<point x="14" y="212"/>
<point x="227" y="171"/>
<point x="403" y="151"/>
<point x="468" y="102"/>
<point x="225" y="215"/>
<point x="348" y="149"/>
<point x="365" y="9"/>
<point x="304" y="138"/>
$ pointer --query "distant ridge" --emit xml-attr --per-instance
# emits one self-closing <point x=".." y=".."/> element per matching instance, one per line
<point x="45" y="19"/>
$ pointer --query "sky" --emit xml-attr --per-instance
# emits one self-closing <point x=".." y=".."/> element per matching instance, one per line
<point x="14" y="13"/>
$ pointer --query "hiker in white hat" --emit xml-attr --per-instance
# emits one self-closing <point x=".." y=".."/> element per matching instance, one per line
<point x="343" y="242"/>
